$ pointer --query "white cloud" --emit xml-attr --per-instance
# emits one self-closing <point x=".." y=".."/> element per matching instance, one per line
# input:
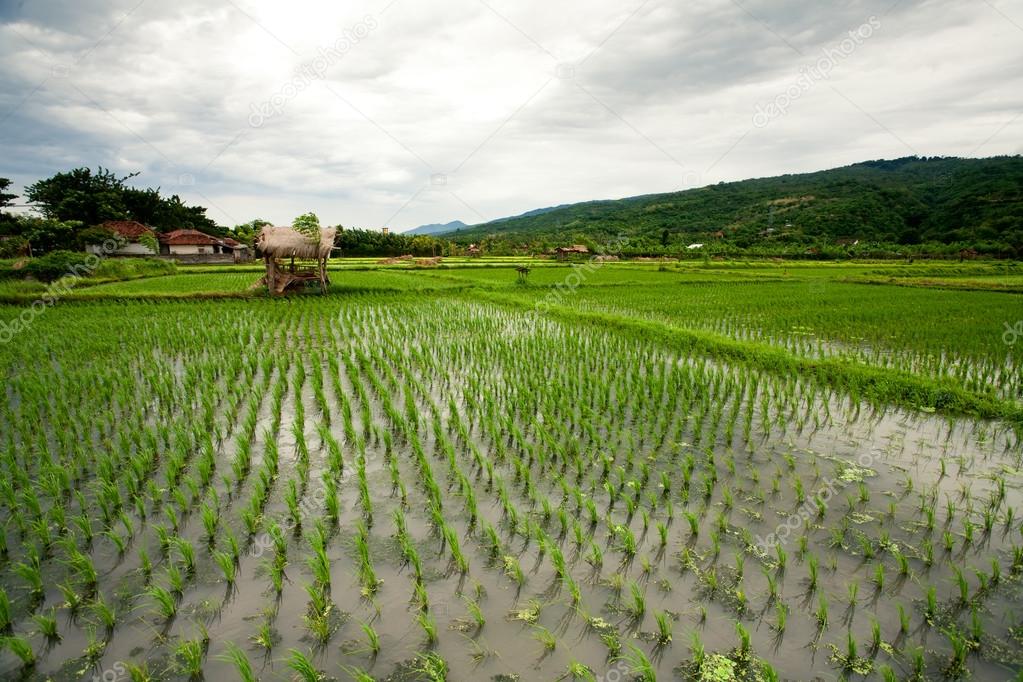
<point x="514" y="105"/>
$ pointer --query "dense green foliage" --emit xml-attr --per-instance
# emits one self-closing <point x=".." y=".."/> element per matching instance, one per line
<point x="355" y="242"/>
<point x="57" y="264"/>
<point x="116" y="269"/>
<point x="309" y="225"/>
<point x="92" y="197"/>
<point x="73" y="203"/>
<point x="927" y="206"/>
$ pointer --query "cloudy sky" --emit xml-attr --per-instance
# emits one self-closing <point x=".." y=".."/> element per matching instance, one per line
<point x="400" y="112"/>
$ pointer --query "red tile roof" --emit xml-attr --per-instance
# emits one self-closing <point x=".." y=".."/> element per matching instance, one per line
<point x="129" y="229"/>
<point x="188" y="237"/>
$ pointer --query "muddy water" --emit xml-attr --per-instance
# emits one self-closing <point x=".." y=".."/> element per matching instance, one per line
<point x="883" y="451"/>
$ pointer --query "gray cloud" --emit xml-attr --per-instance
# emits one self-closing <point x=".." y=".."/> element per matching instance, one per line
<point x="394" y="113"/>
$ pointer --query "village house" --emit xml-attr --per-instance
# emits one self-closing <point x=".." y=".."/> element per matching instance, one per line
<point x="131" y="234"/>
<point x="563" y="252"/>
<point x="194" y="246"/>
<point x="187" y="245"/>
<point x="240" y="251"/>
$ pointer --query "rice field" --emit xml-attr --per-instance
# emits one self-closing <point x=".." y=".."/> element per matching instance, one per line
<point x="946" y="335"/>
<point x="424" y="476"/>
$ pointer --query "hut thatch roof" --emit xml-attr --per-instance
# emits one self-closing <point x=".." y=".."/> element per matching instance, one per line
<point x="285" y="242"/>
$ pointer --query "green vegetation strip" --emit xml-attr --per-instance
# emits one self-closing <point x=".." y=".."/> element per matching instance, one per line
<point x="876" y="384"/>
<point x="951" y="284"/>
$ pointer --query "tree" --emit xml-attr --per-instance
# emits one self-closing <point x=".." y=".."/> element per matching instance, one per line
<point x="246" y="233"/>
<point x="46" y="234"/>
<point x="149" y="241"/>
<point x="308" y="224"/>
<point x="91" y="236"/>
<point x="6" y="199"/>
<point x="81" y="195"/>
<point x="94" y="197"/>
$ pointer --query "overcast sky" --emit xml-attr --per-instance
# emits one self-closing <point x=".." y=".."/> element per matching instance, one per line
<point x="402" y="112"/>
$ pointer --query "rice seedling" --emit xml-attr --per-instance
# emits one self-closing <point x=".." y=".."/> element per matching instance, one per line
<point x="822" y="613"/>
<point x="138" y="672"/>
<point x="265" y="637"/>
<point x="21" y="648"/>
<point x="637" y="607"/>
<point x="875" y="635"/>
<point x="639" y="665"/>
<point x="963" y="585"/>
<point x="303" y="667"/>
<point x="189" y="656"/>
<point x="372" y="638"/>
<point x="513" y="570"/>
<point x="744" y="639"/>
<point x="931" y="609"/>
<point x="165" y="604"/>
<point x="6" y="620"/>
<point x="956" y="666"/>
<point x="31" y="573"/>
<point x="429" y="626"/>
<point x="104" y="614"/>
<point x="545" y="637"/>
<point x="579" y="671"/>
<point x="242" y="666"/>
<point x="47" y="624"/>
<point x="665" y="624"/>
<point x="781" y="616"/>
<point x="318" y="561"/>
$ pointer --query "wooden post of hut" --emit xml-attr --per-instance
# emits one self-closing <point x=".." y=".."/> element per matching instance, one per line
<point x="279" y="245"/>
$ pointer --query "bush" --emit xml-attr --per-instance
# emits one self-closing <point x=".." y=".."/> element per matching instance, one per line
<point x="130" y="268"/>
<point x="12" y="247"/>
<point x="57" y="264"/>
<point x="94" y="236"/>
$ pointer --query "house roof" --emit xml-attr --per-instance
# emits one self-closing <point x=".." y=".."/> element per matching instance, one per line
<point x="576" y="248"/>
<point x="233" y="243"/>
<point x="129" y="229"/>
<point x="188" y="238"/>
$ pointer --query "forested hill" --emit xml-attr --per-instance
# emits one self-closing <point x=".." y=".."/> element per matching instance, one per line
<point x="973" y="202"/>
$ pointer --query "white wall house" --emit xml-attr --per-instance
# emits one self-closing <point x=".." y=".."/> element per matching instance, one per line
<point x="189" y="243"/>
<point x="129" y="232"/>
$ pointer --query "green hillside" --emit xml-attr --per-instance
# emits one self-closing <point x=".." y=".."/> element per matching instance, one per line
<point x="959" y="203"/>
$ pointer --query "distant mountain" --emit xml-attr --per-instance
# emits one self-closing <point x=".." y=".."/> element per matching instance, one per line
<point x="437" y="228"/>
<point x="902" y="201"/>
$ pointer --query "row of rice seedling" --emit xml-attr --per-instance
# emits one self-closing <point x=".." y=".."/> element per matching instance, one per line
<point x="956" y="336"/>
<point x="547" y="490"/>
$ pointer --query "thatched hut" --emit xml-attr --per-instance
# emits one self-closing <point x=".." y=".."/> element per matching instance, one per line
<point x="280" y="244"/>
